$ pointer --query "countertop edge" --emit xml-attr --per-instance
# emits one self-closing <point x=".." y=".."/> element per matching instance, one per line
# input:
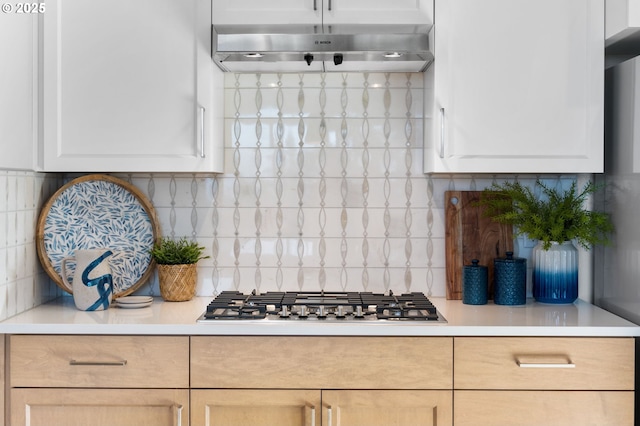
<point x="580" y="319"/>
<point x="445" y="331"/>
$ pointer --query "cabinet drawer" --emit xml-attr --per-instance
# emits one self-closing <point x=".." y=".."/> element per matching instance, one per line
<point x="99" y="361"/>
<point x="551" y="408"/>
<point x="289" y="362"/>
<point x="544" y="363"/>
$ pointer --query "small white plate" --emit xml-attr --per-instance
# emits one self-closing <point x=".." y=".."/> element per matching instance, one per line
<point x="133" y="305"/>
<point x="134" y="300"/>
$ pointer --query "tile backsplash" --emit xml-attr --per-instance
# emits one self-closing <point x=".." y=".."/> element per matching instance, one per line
<point x="23" y="283"/>
<point x="323" y="189"/>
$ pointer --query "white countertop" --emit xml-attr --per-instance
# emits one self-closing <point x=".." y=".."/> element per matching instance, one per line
<point x="179" y="318"/>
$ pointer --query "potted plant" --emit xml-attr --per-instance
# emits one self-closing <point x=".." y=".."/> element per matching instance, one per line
<point x="555" y="219"/>
<point x="177" y="273"/>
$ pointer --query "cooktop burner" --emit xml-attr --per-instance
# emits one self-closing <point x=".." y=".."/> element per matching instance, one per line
<point x="321" y="306"/>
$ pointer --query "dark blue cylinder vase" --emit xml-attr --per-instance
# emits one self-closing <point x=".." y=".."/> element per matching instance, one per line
<point x="510" y="280"/>
<point x="474" y="284"/>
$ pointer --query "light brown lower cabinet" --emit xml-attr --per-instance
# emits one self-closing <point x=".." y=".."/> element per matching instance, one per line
<point x="548" y="408"/>
<point x="387" y="408"/>
<point x="99" y="407"/>
<point x="550" y="381"/>
<point x="319" y="381"/>
<point x="236" y="407"/>
<point x="57" y="380"/>
<point x="2" y="379"/>
<point x="227" y="407"/>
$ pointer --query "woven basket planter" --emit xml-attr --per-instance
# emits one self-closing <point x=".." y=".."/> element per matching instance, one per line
<point x="177" y="282"/>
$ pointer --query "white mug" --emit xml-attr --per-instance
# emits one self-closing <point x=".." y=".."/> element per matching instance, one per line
<point x="92" y="285"/>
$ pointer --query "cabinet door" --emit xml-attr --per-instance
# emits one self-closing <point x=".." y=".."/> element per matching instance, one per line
<point x="378" y="12"/>
<point x="129" y="86"/>
<point x="99" y="407"/>
<point x="304" y="15"/>
<point x="3" y="378"/>
<point x="518" y="87"/>
<point x="524" y="408"/>
<point x="255" y="407"/>
<point x="623" y="106"/>
<point x="386" y="408"/>
<point x="18" y="89"/>
<point x="266" y="13"/>
<point x="622" y="19"/>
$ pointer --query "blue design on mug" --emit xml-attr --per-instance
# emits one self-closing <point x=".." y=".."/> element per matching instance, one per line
<point x="103" y="283"/>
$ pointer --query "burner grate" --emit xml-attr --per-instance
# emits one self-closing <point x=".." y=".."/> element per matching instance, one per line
<point x="339" y="306"/>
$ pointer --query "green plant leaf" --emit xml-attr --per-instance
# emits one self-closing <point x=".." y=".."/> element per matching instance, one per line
<point x="555" y="216"/>
<point x="168" y="251"/>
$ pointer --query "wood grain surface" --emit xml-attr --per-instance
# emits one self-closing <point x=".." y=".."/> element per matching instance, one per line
<point x="119" y="361"/>
<point x="470" y="235"/>
<point x="327" y="362"/>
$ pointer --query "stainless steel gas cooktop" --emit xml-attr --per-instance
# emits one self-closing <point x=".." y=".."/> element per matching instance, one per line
<point x="321" y="306"/>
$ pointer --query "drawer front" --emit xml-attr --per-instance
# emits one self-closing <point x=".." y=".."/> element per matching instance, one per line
<point x="544" y="363"/>
<point x="99" y="361"/>
<point x="550" y="408"/>
<point x="285" y="362"/>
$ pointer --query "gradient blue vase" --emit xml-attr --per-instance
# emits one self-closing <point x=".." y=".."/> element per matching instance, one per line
<point x="555" y="273"/>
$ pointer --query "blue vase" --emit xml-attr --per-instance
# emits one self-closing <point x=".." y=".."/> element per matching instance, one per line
<point x="510" y="280"/>
<point x="474" y="284"/>
<point x="555" y="273"/>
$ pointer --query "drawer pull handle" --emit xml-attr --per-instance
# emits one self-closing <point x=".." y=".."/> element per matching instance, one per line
<point x="202" y="117"/>
<point x="107" y="363"/>
<point x="442" y="127"/>
<point x="546" y="365"/>
<point x="179" y="414"/>
<point x="329" y="416"/>
<point x="313" y="416"/>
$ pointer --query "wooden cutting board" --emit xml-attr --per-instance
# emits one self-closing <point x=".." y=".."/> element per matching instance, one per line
<point x="470" y="235"/>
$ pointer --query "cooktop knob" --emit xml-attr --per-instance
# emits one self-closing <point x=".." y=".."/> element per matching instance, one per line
<point x="358" y="313"/>
<point x="284" y="312"/>
<point x="303" y="312"/>
<point x="322" y="312"/>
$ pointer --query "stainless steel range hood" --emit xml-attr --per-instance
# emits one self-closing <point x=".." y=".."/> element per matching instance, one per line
<point x="390" y="49"/>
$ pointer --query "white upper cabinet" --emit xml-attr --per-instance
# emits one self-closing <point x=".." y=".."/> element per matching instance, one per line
<point x="131" y="86"/>
<point x="259" y="12"/>
<point x="18" y="90"/>
<point x="622" y="19"/>
<point x="623" y="126"/>
<point x="377" y="12"/>
<point x="517" y="87"/>
<point x="622" y="30"/>
<point x="312" y="14"/>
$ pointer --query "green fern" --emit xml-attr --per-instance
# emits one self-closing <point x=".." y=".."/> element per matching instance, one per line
<point x="168" y="251"/>
<point x="558" y="217"/>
